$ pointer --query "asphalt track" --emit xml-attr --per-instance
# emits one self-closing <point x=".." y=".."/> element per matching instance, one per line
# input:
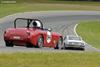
<point x="61" y="21"/>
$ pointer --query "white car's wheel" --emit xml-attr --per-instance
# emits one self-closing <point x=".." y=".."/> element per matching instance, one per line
<point x="83" y="49"/>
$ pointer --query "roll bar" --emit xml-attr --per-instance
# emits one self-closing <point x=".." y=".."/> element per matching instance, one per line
<point x="28" y="21"/>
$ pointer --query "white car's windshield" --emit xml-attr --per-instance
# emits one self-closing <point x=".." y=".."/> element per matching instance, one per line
<point x="74" y="38"/>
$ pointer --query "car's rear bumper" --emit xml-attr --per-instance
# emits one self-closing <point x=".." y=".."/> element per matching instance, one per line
<point x="74" y="46"/>
<point x="20" y="41"/>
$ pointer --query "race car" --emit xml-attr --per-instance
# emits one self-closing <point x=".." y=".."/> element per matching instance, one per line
<point x="31" y="33"/>
<point x="71" y="41"/>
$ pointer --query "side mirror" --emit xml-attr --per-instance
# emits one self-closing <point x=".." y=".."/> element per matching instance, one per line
<point x="50" y="29"/>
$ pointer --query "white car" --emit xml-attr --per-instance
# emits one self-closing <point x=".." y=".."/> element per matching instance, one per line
<point x="71" y="41"/>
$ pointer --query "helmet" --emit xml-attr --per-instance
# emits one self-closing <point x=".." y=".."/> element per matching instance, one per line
<point x="37" y="23"/>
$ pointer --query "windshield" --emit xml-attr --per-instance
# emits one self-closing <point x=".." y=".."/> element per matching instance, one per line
<point x="74" y="38"/>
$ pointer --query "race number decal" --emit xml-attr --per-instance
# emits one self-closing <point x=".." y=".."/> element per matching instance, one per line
<point x="49" y="36"/>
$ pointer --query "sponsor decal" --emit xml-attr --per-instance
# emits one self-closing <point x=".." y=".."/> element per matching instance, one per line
<point x="16" y="37"/>
<point x="49" y="37"/>
<point x="54" y="41"/>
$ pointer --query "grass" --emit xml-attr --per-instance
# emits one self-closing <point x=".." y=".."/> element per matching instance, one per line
<point x="7" y="9"/>
<point x="90" y="31"/>
<point x="50" y="60"/>
<point x="58" y="1"/>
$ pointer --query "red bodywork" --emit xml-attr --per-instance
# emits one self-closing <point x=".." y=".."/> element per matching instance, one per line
<point x="22" y="36"/>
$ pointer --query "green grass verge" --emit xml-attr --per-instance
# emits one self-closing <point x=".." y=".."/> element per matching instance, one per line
<point x="90" y="32"/>
<point x="6" y="9"/>
<point x="57" y="1"/>
<point x="50" y="60"/>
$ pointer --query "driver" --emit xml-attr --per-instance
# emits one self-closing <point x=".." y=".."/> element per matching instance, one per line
<point x="36" y="24"/>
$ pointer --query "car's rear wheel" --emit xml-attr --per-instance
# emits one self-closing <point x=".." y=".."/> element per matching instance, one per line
<point x="29" y="45"/>
<point x="59" y="44"/>
<point x="40" y="42"/>
<point x="9" y="44"/>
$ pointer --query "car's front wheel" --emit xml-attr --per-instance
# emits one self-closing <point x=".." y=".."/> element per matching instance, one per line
<point x="9" y="44"/>
<point x="59" y="44"/>
<point x="40" y="42"/>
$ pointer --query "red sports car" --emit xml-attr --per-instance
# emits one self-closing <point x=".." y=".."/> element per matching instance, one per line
<point x="30" y="32"/>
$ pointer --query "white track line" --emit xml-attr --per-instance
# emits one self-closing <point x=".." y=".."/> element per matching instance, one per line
<point x="75" y="29"/>
<point x="83" y="40"/>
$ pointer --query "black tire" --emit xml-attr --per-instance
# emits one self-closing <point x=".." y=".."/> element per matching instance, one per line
<point x="83" y="49"/>
<point x="64" y="47"/>
<point x="9" y="44"/>
<point x="29" y="45"/>
<point x="40" y="42"/>
<point x="59" y="44"/>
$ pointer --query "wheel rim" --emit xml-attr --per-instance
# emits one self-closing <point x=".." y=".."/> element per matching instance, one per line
<point x="40" y="42"/>
<point x="60" y="44"/>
